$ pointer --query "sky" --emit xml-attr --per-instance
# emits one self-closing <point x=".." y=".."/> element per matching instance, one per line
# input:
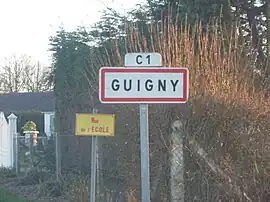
<point x="26" y="25"/>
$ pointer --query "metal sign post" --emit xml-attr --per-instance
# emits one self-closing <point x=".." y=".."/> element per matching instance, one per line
<point x="93" y="166"/>
<point x="144" y="137"/>
<point x="93" y="169"/>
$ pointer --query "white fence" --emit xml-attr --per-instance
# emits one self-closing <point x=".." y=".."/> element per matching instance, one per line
<point x="8" y="131"/>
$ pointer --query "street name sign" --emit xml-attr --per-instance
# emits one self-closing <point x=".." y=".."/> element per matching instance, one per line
<point x="95" y="124"/>
<point x="143" y="85"/>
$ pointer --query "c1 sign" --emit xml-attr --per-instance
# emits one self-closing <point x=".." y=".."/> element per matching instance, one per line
<point x="143" y="85"/>
<point x="143" y="60"/>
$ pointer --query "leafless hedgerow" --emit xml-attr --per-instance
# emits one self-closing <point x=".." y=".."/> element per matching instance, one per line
<point x="227" y="116"/>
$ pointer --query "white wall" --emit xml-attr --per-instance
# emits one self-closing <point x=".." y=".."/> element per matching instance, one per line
<point x="47" y="122"/>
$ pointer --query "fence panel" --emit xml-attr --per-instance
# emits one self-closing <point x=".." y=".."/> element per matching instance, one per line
<point x="5" y="150"/>
<point x="41" y="157"/>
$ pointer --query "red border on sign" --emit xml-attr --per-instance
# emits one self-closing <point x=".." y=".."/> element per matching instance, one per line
<point x="102" y="81"/>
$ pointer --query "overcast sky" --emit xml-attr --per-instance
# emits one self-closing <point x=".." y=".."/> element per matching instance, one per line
<point x="27" y="24"/>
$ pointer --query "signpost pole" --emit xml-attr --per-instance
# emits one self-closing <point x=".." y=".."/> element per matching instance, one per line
<point x="93" y="166"/>
<point x="144" y="136"/>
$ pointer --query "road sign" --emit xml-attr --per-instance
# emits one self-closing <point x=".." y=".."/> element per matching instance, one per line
<point x="143" y="60"/>
<point x="95" y="124"/>
<point x="143" y="85"/>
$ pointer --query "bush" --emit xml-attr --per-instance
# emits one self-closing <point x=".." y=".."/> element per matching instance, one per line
<point x="32" y="177"/>
<point x="50" y="189"/>
<point x="6" y="173"/>
<point x="45" y="156"/>
<point x="29" y="126"/>
<point x="77" y="187"/>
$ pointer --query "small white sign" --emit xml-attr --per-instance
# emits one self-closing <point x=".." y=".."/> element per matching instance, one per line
<point x="143" y="60"/>
<point x="143" y="85"/>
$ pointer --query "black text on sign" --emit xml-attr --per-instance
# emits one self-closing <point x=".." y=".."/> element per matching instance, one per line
<point x="141" y="85"/>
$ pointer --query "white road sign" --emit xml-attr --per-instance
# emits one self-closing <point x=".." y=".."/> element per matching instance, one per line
<point x="143" y="60"/>
<point x="143" y="85"/>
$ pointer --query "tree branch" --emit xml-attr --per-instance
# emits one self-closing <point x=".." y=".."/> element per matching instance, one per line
<point x="230" y="185"/>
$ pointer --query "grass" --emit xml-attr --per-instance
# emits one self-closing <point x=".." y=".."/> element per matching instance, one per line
<point x="6" y="196"/>
<point x="7" y="174"/>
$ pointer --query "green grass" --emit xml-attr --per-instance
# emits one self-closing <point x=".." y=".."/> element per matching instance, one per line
<point x="6" y="196"/>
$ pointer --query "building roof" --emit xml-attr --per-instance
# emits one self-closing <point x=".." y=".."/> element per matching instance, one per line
<point x="37" y="101"/>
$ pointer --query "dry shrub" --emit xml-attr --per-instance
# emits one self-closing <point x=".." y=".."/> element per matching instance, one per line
<point x="227" y="113"/>
<point x="77" y="187"/>
<point x="51" y="188"/>
<point x="32" y="177"/>
<point x="7" y="174"/>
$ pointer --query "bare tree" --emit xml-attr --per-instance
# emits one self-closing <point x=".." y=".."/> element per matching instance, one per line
<point x="22" y="73"/>
<point x="36" y="78"/>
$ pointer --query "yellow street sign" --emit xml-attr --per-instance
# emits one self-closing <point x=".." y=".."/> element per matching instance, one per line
<point x="95" y="124"/>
